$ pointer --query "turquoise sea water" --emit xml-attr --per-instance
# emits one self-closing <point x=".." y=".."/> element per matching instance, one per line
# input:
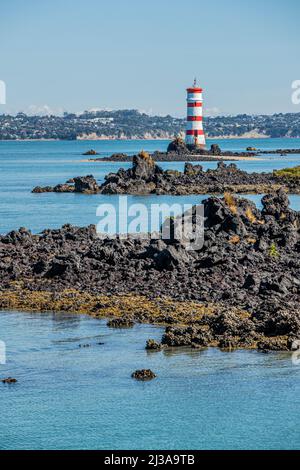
<point x="84" y="398"/>
<point x="24" y="165"/>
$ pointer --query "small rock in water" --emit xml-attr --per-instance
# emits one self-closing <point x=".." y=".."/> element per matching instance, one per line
<point x="91" y="152"/>
<point x="9" y="380"/>
<point x="143" y="374"/>
<point x="153" y="345"/>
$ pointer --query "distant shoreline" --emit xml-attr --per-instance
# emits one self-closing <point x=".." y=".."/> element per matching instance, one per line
<point x="130" y="124"/>
<point x="144" y="139"/>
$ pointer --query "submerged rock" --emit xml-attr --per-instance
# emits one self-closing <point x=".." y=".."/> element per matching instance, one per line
<point x="9" y="380"/>
<point x="90" y="152"/>
<point x="143" y="374"/>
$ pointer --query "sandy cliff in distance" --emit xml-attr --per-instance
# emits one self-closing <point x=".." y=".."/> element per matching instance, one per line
<point x="144" y="136"/>
<point x="169" y="136"/>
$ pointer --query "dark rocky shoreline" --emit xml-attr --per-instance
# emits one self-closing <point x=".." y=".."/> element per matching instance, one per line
<point x="175" y="157"/>
<point x="145" y="177"/>
<point x="241" y="289"/>
<point x="178" y="151"/>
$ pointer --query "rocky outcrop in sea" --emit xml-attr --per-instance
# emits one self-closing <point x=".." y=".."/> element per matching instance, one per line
<point x="146" y="177"/>
<point x="178" y="151"/>
<point x="79" y="184"/>
<point x="143" y="374"/>
<point x="241" y="289"/>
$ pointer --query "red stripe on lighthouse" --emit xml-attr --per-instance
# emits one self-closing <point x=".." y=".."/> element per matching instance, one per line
<point x="194" y="118"/>
<point x="194" y="132"/>
<point x="194" y="90"/>
<point x="197" y="104"/>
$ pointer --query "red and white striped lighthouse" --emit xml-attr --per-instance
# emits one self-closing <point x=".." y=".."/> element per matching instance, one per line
<point x="194" y="127"/>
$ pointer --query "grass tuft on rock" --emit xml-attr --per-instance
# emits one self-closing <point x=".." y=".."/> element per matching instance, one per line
<point x="288" y="172"/>
<point x="230" y="202"/>
<point x="273" y="252"/>
<point x="250" y="216"/>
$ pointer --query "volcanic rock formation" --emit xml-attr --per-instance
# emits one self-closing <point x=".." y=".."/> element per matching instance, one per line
<point x="146" y="177"/>
<point x="245" y="276"/>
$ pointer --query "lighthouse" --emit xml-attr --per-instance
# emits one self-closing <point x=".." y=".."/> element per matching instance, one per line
<point x="194" y="125"/>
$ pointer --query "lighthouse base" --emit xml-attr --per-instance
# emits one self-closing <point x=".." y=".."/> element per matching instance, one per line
<point x="195" y="148"/>
<point x="198" y="141"/>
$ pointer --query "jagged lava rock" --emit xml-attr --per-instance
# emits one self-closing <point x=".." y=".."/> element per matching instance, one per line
<point x="249" y="261"/>
<point x="85" y="184"/>
<point x="178" y="146"/>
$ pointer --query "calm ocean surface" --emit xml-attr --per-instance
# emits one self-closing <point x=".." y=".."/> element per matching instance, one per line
<point x="24" y="165"/>
<point x="69" y="397"/>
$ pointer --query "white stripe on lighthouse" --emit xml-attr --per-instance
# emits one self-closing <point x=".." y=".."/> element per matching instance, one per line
<point x="194" y="97"/>
<point x="194" y="111"/>
<point x="194" y="126"/>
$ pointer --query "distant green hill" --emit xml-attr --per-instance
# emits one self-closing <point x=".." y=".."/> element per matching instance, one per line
<point x="131" y="124"/>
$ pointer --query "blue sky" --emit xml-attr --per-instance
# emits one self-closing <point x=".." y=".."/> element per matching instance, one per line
<point x="74" y="55"/>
